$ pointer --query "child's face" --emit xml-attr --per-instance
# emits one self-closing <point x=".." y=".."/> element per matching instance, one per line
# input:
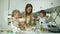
<point x="16" y="15"/>
<point x="41" y="15"/>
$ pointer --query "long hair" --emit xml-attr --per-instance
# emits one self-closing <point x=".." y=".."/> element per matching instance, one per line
<point x="26" y="13"/>
<point x="28" y="5"/>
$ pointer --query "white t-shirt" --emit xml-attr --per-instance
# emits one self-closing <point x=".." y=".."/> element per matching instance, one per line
<point x="45" y="25"/>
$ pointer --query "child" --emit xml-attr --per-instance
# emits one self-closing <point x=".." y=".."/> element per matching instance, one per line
<point x="14" y="20"/>
<point x="17" y="19"/>
<point x="43" y="19"/>
<point x="15" y="15"/>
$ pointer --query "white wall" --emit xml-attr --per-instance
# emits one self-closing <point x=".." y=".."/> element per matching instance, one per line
<point x="37" y="4"/>
<point x="17" y="4"/>
<point x="3" y="13"/>
<point x="43" y="4"/>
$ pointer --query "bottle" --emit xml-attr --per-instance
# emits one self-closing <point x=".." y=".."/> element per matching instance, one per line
<point x="9" y="32"/>
<point x="33" y="22"/>
<point x="41" y="27"/>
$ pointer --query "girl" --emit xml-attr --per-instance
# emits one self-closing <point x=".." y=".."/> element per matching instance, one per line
<point x="14" y="20"/>
<point x="17" y="19"/>
<point x="15" y="16"/>
<point x="43" y="19"/>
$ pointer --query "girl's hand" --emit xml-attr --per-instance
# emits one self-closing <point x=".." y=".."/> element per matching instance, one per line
<point x="46" y="20"/>
<point x="11" y="19"/>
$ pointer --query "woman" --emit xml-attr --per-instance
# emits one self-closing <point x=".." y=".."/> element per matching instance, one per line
<point x="25" y="21"/>
<point x="28" y="14"/>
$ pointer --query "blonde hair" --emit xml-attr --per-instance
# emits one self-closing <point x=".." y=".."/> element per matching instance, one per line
<point x="16" y="11"/>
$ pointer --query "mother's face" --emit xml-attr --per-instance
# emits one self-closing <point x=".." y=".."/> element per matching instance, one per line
<point x="29" y="9"/>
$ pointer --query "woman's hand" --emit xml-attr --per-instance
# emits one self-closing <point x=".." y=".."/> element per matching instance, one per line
<point x="10" y="19"/>
<point x="36" y="19"/>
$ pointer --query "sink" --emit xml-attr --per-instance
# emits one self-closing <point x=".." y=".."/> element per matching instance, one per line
<point x="54" y="30"/>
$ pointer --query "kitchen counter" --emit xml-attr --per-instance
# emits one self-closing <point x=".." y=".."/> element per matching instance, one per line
<point x="24" y="32"/>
